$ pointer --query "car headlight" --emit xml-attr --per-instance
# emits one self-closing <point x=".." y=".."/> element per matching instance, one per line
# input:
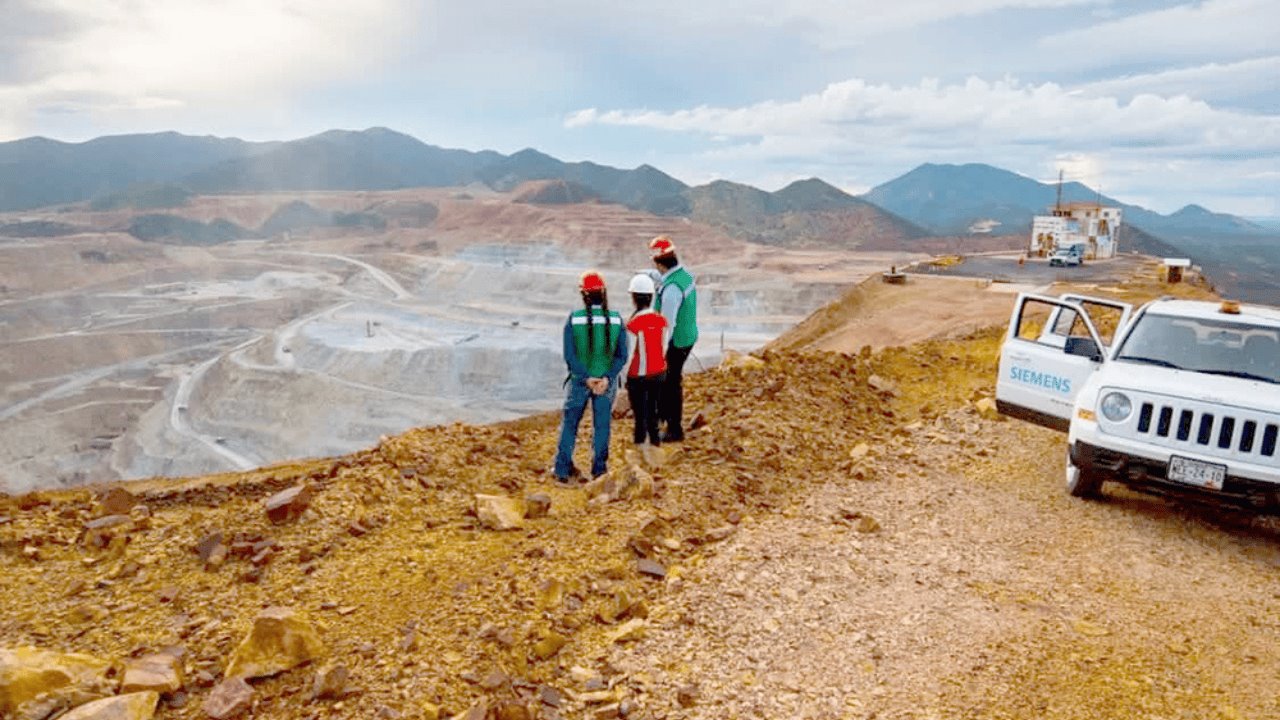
<point x="1116" y="407"/>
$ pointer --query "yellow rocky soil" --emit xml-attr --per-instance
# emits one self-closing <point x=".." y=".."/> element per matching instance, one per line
<point x="846" y="536"/>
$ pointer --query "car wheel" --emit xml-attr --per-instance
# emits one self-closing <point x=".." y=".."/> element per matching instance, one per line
<point x="1082" y="483"/>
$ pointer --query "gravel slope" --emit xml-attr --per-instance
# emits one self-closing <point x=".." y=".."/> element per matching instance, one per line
<point x="987" y="593"/>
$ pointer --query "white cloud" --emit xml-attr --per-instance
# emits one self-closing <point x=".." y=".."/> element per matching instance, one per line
<point x="1084" y="167"/>
<point x="120" y="55"/>
<point x="1214" y="30"/>
<point x="1210" y="82"/>
<point x="976" y="111"/>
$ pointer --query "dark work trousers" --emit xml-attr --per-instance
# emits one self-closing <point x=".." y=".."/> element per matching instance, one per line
<point x="643" y="393"/>
<point x="671" y="398"/>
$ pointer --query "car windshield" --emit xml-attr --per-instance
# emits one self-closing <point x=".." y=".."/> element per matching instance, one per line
<point x="1215" y="347"/>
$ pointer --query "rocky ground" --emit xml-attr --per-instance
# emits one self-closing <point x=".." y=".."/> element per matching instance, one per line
<point x="844" y="536"/>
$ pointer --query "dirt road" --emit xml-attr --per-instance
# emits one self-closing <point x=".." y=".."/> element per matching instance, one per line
<point x="882" y="315"/>
<point x="986" y="593"/>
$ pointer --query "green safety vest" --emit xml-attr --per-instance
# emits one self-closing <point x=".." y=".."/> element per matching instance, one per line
<point x="685" y="333"/>
<point x="604" y="339"/>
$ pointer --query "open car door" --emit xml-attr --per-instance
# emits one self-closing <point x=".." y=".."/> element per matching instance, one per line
<point x="1108" y="316"/>
<point x="1050" y="350"/>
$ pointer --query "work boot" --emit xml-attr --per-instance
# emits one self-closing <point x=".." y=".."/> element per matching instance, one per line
<point x="574" y="478"/>
<point x="672" y="437"/>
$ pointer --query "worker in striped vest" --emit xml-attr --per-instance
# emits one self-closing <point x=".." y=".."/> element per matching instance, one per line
<point x="648" y="367"/>
<point x="595" y="349"/>
<point x="677" y="300"/>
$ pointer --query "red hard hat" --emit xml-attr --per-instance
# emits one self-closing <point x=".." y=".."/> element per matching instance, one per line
<point x="591" y="281"/>
<point x="662" y="246"/>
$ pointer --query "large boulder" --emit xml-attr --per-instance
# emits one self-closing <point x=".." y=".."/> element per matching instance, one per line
<point x="37" y="683"/>
<point x="499" y="512"/>
<point x="134" y="706"/>
<point x="281" y="639"/>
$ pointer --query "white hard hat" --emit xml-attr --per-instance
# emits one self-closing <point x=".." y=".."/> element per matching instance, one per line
<point x="642" y="284"/>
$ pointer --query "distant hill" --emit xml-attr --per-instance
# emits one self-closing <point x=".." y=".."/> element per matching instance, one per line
<point x="949" y="199"/>
<point x="806" y="212"/>
<point x="553" y="192"/>
<point x="375" y="159"/>
<point x="37" y="171"/>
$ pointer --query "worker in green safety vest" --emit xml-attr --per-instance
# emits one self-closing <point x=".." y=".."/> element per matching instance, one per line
<point x="595" y="350"/>
<point x="677" y="300"/>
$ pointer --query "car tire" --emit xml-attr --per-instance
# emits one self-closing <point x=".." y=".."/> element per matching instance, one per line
<point x="1082" y="483"/>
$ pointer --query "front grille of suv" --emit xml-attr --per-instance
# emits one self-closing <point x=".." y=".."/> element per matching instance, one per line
<point x="1223" y="431"/>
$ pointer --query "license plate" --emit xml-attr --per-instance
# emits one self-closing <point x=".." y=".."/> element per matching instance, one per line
<point x="1195" y="472"/>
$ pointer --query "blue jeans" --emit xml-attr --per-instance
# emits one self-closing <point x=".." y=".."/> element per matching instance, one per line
<point x="601" y="417"/>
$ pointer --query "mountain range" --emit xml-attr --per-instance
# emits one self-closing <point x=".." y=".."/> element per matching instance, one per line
<point x="148" y="171"/>
<point x="949" y="199"/>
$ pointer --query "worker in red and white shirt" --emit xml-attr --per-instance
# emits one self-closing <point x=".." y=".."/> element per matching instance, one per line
<point x="648" y="367"/>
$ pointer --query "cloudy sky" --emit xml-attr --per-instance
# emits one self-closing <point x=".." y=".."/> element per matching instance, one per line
<point x="1160" y="102"/>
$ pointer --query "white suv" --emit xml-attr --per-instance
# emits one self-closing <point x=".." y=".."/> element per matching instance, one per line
<point x="1186" y="397"/>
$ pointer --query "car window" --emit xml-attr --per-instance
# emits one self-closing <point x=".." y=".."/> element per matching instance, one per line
<point x="1218" y="347"/>
<point x="1049" y="324"/>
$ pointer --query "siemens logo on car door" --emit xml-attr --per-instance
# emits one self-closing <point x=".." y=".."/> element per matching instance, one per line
<point x="1047" y="381"/>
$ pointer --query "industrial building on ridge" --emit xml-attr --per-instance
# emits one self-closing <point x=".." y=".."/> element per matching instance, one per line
<point x="1088" y="224"/>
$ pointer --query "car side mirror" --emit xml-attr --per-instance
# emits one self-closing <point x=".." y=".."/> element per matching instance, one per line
<point x="1083" y="347"/>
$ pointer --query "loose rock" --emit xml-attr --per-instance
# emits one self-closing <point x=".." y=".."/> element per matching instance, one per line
<point x="882" y="386"/>
<point x="538" y="505"/>
<point x="159" y="672"/>
<point x="549" y="645"/>
<point x="511" y="710"/>
<point x="499" y="512"/>
<point x="133" y="706"/>
<point x="117" y="501"/>
<point x="652" y="568"/>
<point x="107" y="522"/>
<point x="735" y="359"/>
<point x="987" y="409"/>
<point x="629" y="631"/>
<point x="230" y="699"/>
<point x="211" y="550"/>
<point x="330" y="682"/>
<point x="281" y="638"/>
<point x="36" y="682"/>
<point x="688" y="695"/>
<point x="288" y="504"/>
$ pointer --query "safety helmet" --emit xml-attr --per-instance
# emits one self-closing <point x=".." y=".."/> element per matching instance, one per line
<point x="641" y="284"/>
<point x="662" y="246"/>
<point x="592" y="281"/>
